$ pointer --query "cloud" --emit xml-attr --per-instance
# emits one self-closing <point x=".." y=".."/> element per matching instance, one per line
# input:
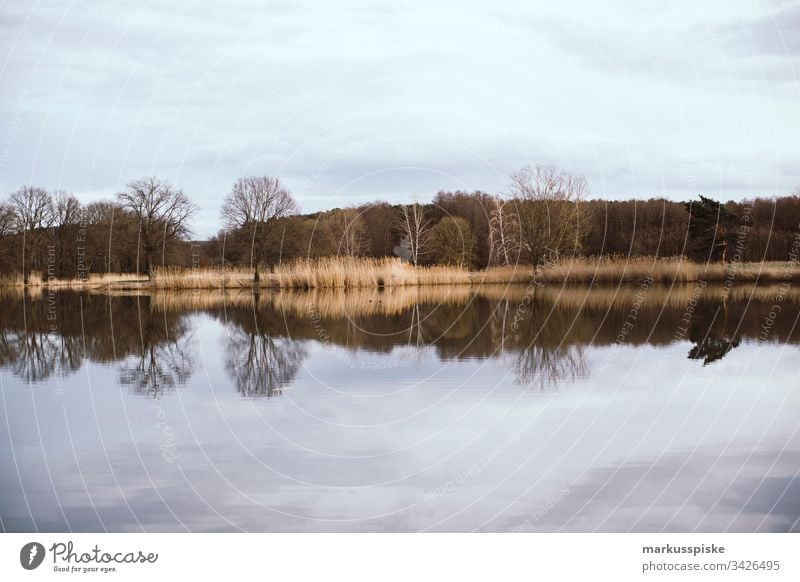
<point x="464" y="93"/>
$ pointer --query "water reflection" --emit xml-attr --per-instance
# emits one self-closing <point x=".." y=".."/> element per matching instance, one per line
<point x="260" y="362"/>
<point x="162" y="358"/>
<point x="151" y="338"/>
<point x="712" y="332"/>
<point x="387" y="402"/>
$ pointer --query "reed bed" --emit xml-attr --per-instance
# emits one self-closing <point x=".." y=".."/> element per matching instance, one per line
<point x="338" y="302"/>
<point x="352" y="272"/>
<point x="36" y="280"/>
<point x="204" y="278"/>
<point x="365" y="273"/>
<point x="662" y="270"/>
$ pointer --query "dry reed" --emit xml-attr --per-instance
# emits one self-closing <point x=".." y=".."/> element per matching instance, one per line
<point x="358" y="273"/>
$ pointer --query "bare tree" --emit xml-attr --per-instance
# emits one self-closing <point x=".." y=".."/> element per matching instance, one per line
<point x="66" y="208"/>
<point x="100" y="212"/>
<point x="348" y="232"/>
<point x="503" y="232"/>
<point x="101" y="220"/>
<point x="415" y="228"/>
<point x="161" y="212"/>
<point x="33" y="215"/>
<point x="253" y="205"/>
<point x="66" y="217"/>
<point x="7" y="219"/>
<point x="548" y="207"/>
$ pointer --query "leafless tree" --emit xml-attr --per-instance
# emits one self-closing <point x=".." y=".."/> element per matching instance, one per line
<point x="503" y="232"/>
<point x="104" y="221"/>
<point x="100" y="212"/>
<point x="415" y="225"/>
<point x="348" y="232"/>
<point x="7" y="219"/>
<point x="548" y="207"/>
<point x="67" y="209"/>
<point x="66" y="217"/>
<point x="253" y="205"/>
<point x="33" y="215"/>
<point x="162" y="214"/>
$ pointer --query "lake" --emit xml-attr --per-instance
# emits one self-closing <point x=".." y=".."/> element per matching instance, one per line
<point x="495" y="408"/>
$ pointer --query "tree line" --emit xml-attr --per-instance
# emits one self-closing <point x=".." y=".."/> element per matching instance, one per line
<point x="545" y="215"/>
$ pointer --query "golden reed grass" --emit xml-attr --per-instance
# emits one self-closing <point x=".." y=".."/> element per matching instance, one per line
<point x="35" y="279"/>
<point x="335" y="273"/>
<point x="338" y="302"/>
<point x="357" y="273"/>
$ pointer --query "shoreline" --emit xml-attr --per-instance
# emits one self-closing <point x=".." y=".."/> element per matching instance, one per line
<point x="348" y="272"/>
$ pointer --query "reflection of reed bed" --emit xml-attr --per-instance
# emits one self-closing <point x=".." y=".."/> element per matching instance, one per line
<point x="186" y="300"/>
<point x="307" y="303"/>
<point x="678" y="295"/>
<point x="19" y="292"/>
<point x="339" y="302"/>
<point x="330" y="303"/>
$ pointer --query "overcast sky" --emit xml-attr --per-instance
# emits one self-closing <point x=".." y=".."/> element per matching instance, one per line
<point x="348" y="102"/>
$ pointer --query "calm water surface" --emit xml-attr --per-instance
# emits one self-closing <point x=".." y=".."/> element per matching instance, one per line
<point x="491" y="409"/>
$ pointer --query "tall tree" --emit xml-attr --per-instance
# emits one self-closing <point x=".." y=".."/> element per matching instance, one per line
<point x="66" y="217"/>
<point x="347" y="232"/>
<point x="162" y="215"/>
<point x="7" y="219"/>
<point x="503" y="232"/>
<point x="548" y="204"/>
<point x="104" y="221"/>
<point x="254" y="205"/>
<point x="33" y="214"/>
<point x="415" y="225"/>
<point x="711" y="230"/>
<point x="453" y="242"/>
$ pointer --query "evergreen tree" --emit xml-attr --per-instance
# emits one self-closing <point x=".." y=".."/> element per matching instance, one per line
<point x="711" y="230"/>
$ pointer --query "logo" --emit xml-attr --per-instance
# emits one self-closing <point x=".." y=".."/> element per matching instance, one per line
<point x="31" y="555"/>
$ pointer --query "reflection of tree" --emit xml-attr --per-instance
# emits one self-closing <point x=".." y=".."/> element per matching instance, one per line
<point x="416" y="333"/>
<point x="712" y="349"/>
<point x="710" y="333"/>
<point x="548" y="366"/>
<point x="548" y="343"/>
<point x="33" y="355"/>
<point x="162" y="359"/>
<point x="33" y="349"/>
<point x="260" y="363"/>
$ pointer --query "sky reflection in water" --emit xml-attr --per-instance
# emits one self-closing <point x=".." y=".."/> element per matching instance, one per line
<point x="408" y="409"/>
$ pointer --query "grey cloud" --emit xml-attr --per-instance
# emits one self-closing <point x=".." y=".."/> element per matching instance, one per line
<point x="199" y="91"/>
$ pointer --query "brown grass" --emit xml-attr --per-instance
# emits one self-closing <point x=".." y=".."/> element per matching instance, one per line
<point x="206" y="278"/>
<point x="338" y="302"/>
<point x="336" y="273"/>
<point x="94" y="280"/>
<point x="663" y="270"/>
<point x="364" y="273"/>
